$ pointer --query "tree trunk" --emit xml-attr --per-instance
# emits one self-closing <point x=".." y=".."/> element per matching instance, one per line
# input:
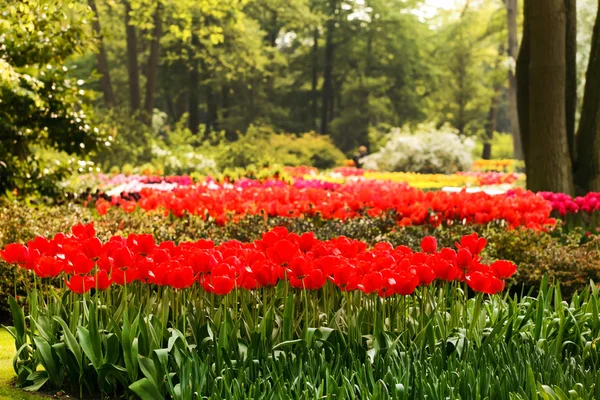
<point x="102" y="60"/>
<point x="512" y="7"/>
<point x="522" y="77"/>
<point x="587" y="171"/>
<point x="327" y="100"/>
<point x="194" y="86"/>
<point x="548" y="158"/>
<point x="211" y="109"/>
<point x="133" y="69"/>
<point x="571" y="74"/>
<point x="315" y="79"/>
<point x="194" y="102"/>
<point x="153" y="64"/>
<point x="490" y="126"/>
<point x="461" y="95"/>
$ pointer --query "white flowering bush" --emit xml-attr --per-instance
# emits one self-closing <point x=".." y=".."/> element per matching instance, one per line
<point x="423" y="149"/>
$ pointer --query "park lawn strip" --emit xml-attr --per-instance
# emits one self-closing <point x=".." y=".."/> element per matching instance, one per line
<point x="7" y="390"/>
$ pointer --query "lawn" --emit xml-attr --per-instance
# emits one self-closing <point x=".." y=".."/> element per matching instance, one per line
<point x="7" y="390"/>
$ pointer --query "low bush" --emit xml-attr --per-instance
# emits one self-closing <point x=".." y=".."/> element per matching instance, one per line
<point x="502" y="147"/>
<point x="424" y="149"/>
<point x="260" y="145"/>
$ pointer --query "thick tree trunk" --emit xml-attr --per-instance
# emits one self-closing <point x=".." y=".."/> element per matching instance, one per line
<point x="571" y="82"/>
<point x="153" y="64"/>
<point x="512" y="7"/>
<point x="522" y="76"/>
<point x="102" y="60"/>
<point x="587" y="171"/>
<point x="327" y="99"/>
<point x="548" y="158"/>
<point x="315" y="79"/>
<point x="133" y="69"/>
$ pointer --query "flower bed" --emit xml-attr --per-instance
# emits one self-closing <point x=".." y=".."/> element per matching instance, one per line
<point x="238" y="320"/>
<point x="351" y="200"/>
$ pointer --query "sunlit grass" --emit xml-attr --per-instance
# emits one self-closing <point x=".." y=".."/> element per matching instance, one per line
<point x="7" y="389"/>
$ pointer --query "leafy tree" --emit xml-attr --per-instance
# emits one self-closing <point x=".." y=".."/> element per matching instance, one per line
<point x="40" y="104"/>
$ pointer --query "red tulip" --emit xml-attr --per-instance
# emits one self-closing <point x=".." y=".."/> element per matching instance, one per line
<point x="504" y="269"/>
<point x="495" y="285"/>
<point x="123" y="258"/>
<point x="123" y="276"/>
<point x="92" y="248"/>
<point x="102" y="206"/>
<point x="80" y="284"/>
<point x="314" y="280"/>
<point x="371" y="282"/>
<point x="406" y="284"/>
<point x="464" y="258"/>
<point x="40" y="244"/>
<point x="102" y="281"/>
<point x="222" y="285"/>
<point x="15" y="254"/>
<point x="84" y="231"/>
<point x="142" y="244"/>
<point x="473" y="242"/>
<point x="48" y="267"/>
<point x="426" y="274"/>
<point x="283" y="252"/>
<point x="429" y="244"/>
<point x="203" y="262"/>
<point x="180" y="278"/>
<point x="478" y="281"/>
<point x="265" y="274"/>
<point x="81" y="264"/>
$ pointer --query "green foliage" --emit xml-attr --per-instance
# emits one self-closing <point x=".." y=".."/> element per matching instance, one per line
<point x="41" y="105"/>
<point x="502" y="147"/>
<point x="261" y="146"/>
<point x="163" y="343"/>
<point x="468" y="64"/>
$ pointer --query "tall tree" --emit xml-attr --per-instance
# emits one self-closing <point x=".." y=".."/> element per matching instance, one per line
<point x="133" y="69"/>
<point x="587" y="171"/>
<point x="492" y="119"/>
<point x="102" y="60"/>
<point x="512" y="8"/>
<point x="327" y="96"/>
<point x="571" y="74"/>
<point x="315" y="79"/>
<point x="548" y="152"/>
<point x="522" y="76"/>
<point x="194" y="86"/>
<point x="152" y="70"/>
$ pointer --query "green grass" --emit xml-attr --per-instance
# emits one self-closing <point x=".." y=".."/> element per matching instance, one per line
<point x="7" y="389"/>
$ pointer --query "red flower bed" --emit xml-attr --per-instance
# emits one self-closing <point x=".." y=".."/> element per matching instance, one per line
<point x="302" y="260"/>
<point x="412" y="206"/>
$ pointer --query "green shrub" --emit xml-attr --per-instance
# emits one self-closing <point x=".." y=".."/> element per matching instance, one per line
<point x="260" y="145"/>
<point x="502" y="147"/>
